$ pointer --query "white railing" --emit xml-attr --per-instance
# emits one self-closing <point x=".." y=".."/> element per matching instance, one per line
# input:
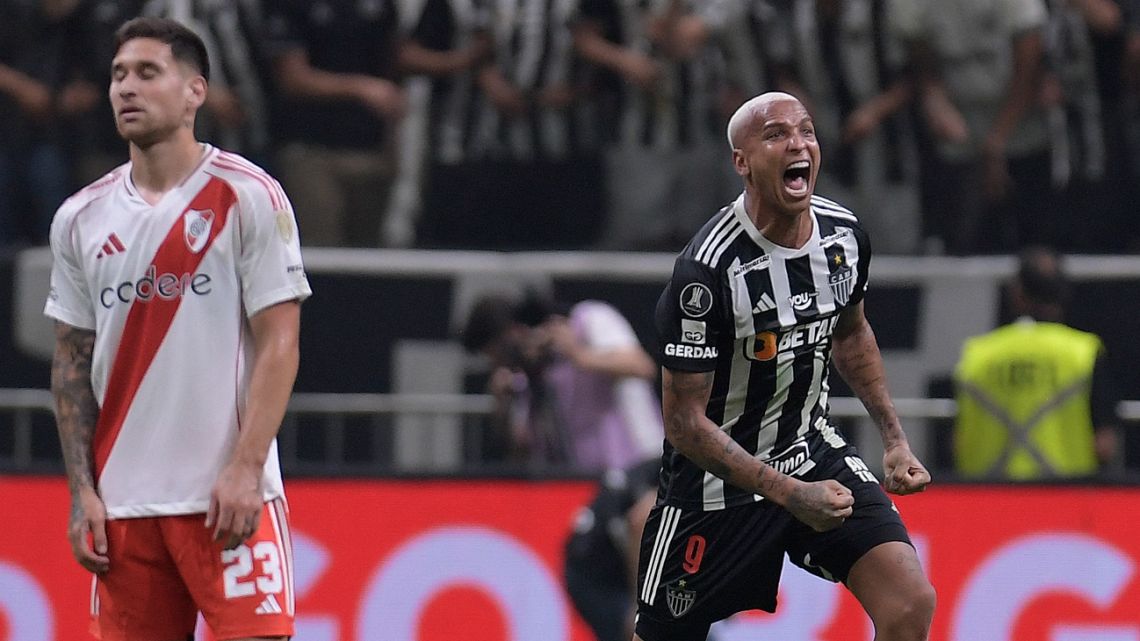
<point x="334" y="409"/>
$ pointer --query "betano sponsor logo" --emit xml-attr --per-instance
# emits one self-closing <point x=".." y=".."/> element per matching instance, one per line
<point x="765" y="345"/>
<point x="165" y="286"/>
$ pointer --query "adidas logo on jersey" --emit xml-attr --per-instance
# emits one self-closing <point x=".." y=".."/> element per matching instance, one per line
<point x="268" y="606"/>
<point x="765" y="304"/>
<point x="111" y="246"/>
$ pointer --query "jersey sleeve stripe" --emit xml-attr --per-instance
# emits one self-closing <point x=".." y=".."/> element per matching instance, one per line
<point x="834" y="210"/>
<point x="102" y="182"/>
<point x="274" y="200"/>
<point x="823" y="211"/>
<point x="725" y="239"/>
<point x="244" y="162"/>
<point x="731" y="237"/>
<point x="820" y="200"/>
<point x="714" y="235"/>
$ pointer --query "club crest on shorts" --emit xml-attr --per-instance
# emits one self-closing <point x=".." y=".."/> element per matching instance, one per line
<point x="679" y="599"/>
<point x="197" y="223"/>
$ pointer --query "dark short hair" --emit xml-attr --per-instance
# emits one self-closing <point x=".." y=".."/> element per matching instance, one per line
<point x="1040" y="275"/>
<point x="535" y="308"/>
<point x="489" y="319"/>
<point x="185" y="45"/>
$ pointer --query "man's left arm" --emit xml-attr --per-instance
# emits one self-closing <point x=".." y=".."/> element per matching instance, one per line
<point x="236" y="500"/>
<point x="627" y="359"/>
<point x="1103" y="400"/>
<point x="856" y="355"/>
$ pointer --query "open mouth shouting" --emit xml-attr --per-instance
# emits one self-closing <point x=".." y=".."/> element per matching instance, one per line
<point x="796" y="178"/>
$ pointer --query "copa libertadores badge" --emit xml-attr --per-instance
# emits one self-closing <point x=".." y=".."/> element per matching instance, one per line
<point x="679" y="598"/>
<point x="696" y="300"/>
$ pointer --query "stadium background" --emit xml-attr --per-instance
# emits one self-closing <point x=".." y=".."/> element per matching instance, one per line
<point x="418" y="539"/>
<point x="406" y="531"/>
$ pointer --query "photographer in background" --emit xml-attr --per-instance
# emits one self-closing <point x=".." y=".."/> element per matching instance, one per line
<point x="574" y="387"/>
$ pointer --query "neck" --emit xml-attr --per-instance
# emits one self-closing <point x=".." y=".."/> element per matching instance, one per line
<point x="787" y="228"/>
<point x="1045" y="313"/>
<point x="159" y="167"/>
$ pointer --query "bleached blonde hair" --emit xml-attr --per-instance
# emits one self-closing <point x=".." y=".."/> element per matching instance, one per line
<point x="744" y="115"/>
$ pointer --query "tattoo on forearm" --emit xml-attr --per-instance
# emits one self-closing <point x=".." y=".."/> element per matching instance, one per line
<point x="76" y="410"/>
<point x="861" y="364"/>
<point x="712" y="449"/>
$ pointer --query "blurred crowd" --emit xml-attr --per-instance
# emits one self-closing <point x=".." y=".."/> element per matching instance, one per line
<point x="949" y="126"/>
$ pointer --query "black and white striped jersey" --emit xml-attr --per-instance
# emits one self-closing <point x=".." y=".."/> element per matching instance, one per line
<point x="446" y="25"/>
<point x="534" y="50"/>
<point x="760" y="317"/>
<point x="681" y="110"/>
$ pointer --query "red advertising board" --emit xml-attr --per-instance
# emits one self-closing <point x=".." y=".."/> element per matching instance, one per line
<point x="480" y="561"/>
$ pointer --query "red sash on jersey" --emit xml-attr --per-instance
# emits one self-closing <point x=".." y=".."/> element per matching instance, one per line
<point x="183" y="249"/>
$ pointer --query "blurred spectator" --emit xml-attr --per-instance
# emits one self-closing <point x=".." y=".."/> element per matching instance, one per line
<point x="39" y="69"/>
<point x="236" y="115"/>
<point x="441" y="43"/>
<point x="978" y="64"/>
<point x="602" y="550"/>
<point x="848" y="70"/>
<point x="750" y="40"/>
<point x="572" y="388"/>
<point x="97" y="146"/>
<point x="665" y="166"/>
<point x="1077" y="117"/>
<point x="1129" y="115"/>
<point x="334" y="66"/>
<point x="1033" y="399"/>
<point x="513" y="143"/>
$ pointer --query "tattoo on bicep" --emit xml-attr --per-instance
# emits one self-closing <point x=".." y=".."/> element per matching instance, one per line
<point x="76" y="410"/>
<point x="685" y="387"/>
<point x="710" y="449"/>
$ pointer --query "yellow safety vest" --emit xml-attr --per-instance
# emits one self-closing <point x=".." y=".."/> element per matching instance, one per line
<point x="1023" y="403"/>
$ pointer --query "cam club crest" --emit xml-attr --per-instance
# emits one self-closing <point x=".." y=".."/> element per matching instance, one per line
<point x="841" y="279"/>
<point x="842" y="283"/>
<point x="679" y="599"/>
<point x="196" y="224"/>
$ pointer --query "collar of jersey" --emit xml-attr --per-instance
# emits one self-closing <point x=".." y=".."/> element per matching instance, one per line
<point x="769" y="246"/>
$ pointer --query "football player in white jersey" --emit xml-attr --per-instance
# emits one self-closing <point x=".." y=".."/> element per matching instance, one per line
<point x="176" y="283"/>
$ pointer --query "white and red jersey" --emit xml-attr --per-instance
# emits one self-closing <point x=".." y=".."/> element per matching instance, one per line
<point x="168" y="290"/>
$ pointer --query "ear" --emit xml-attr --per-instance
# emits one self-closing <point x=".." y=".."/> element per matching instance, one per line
<point x="740" y="163"/>
<point x="197" y="92"/>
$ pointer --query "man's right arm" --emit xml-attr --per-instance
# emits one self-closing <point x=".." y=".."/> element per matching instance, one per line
<point x="76" y="413"/>
<point x="822" y="505"/>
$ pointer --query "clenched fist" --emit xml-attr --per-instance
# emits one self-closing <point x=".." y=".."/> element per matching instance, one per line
<point x="822" y="505"/>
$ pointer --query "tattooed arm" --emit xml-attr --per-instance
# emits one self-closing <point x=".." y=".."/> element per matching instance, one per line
<point x="823" y="505"/>
<point x="76" y="413"/>
<point x="856" y="355"/>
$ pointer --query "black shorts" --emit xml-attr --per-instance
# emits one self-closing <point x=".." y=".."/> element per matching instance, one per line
<point x="699" y="567"/>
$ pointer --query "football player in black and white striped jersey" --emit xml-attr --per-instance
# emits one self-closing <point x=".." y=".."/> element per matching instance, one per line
<point x="762" y="299"/>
